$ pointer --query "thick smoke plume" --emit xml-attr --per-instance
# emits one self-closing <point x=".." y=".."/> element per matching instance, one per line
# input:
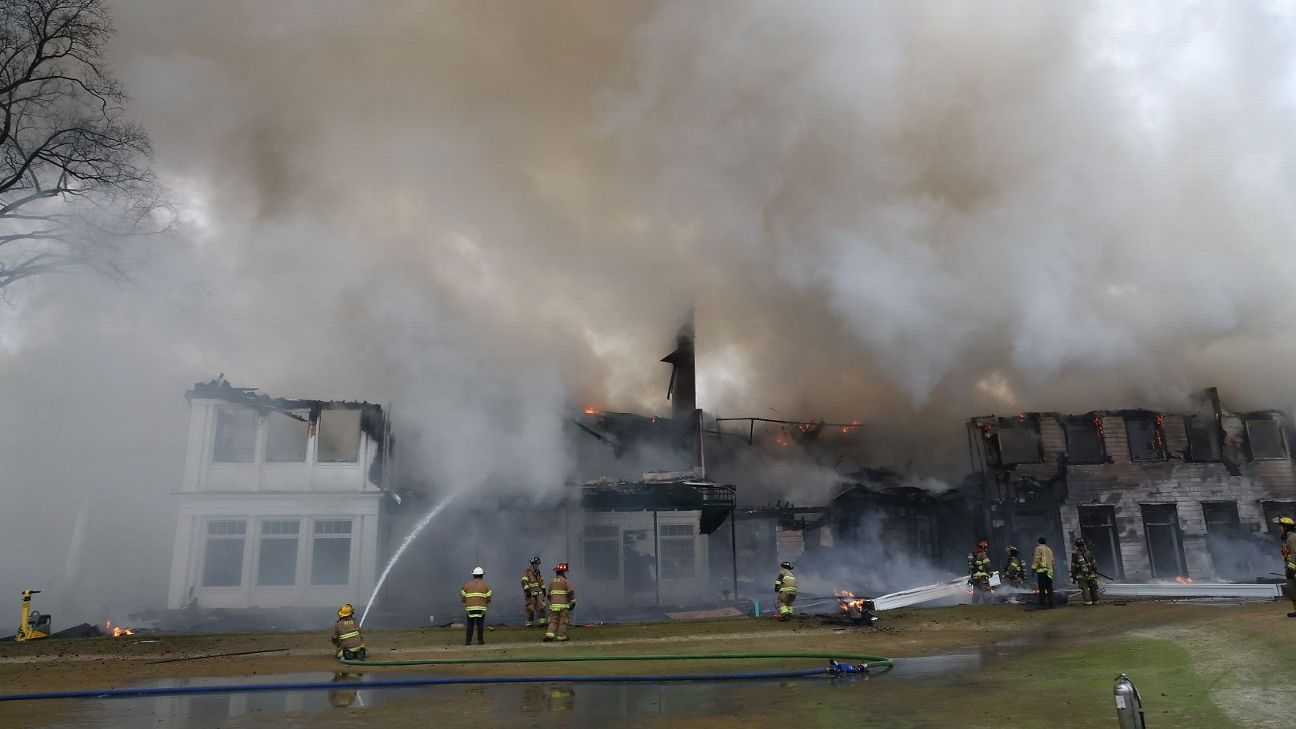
<point x="484" y="212"/>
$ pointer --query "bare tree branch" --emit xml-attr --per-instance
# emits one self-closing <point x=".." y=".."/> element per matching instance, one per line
<point x="74" y="181"/>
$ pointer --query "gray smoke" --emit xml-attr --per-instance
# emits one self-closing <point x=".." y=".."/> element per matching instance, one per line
<point x="485" y="212"/>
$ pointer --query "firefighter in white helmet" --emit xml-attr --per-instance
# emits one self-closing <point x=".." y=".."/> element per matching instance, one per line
<point x="475" y="595"/>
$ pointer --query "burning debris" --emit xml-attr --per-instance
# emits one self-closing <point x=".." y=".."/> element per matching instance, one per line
<point x="116" y="631"/>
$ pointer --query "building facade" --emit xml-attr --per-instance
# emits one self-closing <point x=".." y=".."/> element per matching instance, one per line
<point x="280" y="505"/>
<point x="1155" y="495"/>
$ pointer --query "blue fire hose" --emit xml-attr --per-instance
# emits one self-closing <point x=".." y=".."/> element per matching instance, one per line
<point x="834" y="668"/>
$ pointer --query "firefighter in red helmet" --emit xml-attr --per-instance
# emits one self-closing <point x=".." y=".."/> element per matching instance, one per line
<point x="562" y="600"/>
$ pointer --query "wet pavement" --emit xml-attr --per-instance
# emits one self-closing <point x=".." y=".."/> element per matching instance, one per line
<point x="563" y="703"/>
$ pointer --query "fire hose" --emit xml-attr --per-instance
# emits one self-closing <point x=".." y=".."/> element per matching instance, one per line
<point x="834" y="668"/>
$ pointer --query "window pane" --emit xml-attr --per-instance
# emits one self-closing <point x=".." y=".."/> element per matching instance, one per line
<point x="333" y="526"/>
<point x="1266" y="439"/>
<point x="1019" y="441"/>
<point x="285" y="439"/>
<point x="601" y="559"/>
<point x="1203" y="439"/>
<point x="677" y="530"/>
<point x="677" y="559"/>
<point x="1084" y="445"/>
<point x="1145" y="441"/>
<point x="331" y="561"/>
<point x="235" y="436"/>
<point x="278" y="561"/>
<point x="223" y="566"/>
<point x="339" y="436"/>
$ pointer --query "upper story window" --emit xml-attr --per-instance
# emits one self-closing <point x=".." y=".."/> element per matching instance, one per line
<point x="286" y="439"/>
<point x="1265" y="437"/>
<point x="338" y="436"/>
<point x="1019" y="440"/>
<point x="1203" y="438"/>
<point x="1084" y="438"/>
<point x="236" y="432"/>
<point x="1146" y="438"/>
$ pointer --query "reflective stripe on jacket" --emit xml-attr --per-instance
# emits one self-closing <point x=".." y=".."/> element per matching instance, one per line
<point x="561" y="594"/>
<point x="532" y="582"/>
<point x="1042" y="561"/>
<point x="346" y="634"/>
<point x="475" y="595"/>
<point x="979" y="565"/>
<point x="785" y="582"/>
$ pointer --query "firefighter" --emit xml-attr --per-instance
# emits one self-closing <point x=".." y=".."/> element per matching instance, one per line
<point x="562" y="600"/>
<point x="1084" y="571"/>
<point x="475" y="595"/>
<point x="1014" y="570"/>
<point x="533" y="594"/>
<point x="1289" y="557"/>
<point x="979" y="572"/>
<point x="786" y="589"/>
<point x="1042" y="566"/>
<point x="346" y="635"/>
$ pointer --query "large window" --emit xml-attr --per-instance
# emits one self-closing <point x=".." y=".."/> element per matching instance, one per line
<point x="331" y="552"/>
<point x="676" y="557"/>
<point x="1146" y="438"/>
<point x="339" y="436"/>
<point x="1019" y="440"/>
<point x="223" y="563"/>
<point x="235" y="436"/>
<point x="603" y="552"/>
<point x="278" y="561"/>
<point x="1084" y="441"/>
<point x="285" y="439"/>
<point x="1203" y="438"/>
<point x="1266" y="439"/>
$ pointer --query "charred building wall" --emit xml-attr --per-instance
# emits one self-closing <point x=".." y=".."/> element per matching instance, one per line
<point x="1156" y="495"/>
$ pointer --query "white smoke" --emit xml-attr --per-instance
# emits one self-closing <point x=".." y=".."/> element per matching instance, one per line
<point x="902" y="212"/>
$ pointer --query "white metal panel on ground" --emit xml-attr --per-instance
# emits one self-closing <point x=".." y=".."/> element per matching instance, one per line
<point x="1192" y="589"/>
<point x="952" y="589"/>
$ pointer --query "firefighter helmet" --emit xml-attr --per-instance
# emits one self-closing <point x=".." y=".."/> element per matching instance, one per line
<point x="983" y="544"/>
<point x="346" y="610"/>
<point x="1012" y="550"/>
<point x="786" y="565"/>
<point x="1285" y="521"/>
<point x="478" y="572"/>
<point x="1080" y="542"/>
<point x="560" y="568"/>
<point x="535" y="559"/>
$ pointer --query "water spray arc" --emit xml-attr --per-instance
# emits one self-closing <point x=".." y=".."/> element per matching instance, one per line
<point x="409" y="539"/>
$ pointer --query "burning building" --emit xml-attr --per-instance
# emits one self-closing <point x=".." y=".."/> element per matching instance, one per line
<point x="1155" y="495"/>
<point x="281" y="501"/>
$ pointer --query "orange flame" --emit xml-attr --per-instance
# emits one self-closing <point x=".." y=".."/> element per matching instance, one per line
<point x="854" y="423"/>
<point x="1184" y="580"/>
<point x="591" y="411"/>
<point x="847" y="600"/>
<point x="118" y="631"/>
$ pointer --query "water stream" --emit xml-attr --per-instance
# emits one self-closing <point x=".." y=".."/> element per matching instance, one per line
<point x="418" y="529"/>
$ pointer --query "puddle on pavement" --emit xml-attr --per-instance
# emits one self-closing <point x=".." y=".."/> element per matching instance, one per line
<point x="576" y="705"/>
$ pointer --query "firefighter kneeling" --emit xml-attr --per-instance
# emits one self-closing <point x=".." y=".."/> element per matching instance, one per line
<point x="562" y="600"/>
<point x="346" y="635"/>
<point x="786" y="588"/>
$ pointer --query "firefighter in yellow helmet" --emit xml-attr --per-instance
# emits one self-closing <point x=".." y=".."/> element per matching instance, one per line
<point x="476" y="596"/>
<point x="1289" y="557"/>
<point x="562" y="600"/>
<point x="346" y="635"/>
<point x="533" y="593"/>
<point x="786" y="588"/>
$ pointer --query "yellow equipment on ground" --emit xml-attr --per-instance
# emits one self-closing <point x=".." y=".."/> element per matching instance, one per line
<point x="33" y="625"/>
